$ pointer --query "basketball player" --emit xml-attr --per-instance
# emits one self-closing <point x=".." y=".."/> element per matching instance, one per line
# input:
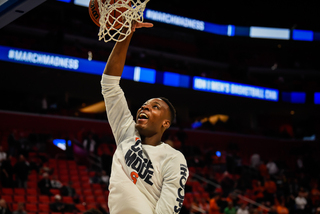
<point x="148" y="176"/>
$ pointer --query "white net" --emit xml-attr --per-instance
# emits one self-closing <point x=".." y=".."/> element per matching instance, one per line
<point x="116" y="18"/>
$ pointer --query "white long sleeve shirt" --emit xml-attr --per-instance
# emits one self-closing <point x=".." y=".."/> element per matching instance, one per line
<point x="144" y="179"/>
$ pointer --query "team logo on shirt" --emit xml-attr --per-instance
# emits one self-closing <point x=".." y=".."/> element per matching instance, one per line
<point x="142" y="166"/>
<point x="183" y="180"/>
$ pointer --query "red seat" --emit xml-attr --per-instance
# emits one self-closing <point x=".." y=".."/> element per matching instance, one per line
<point x="32" y="191"/>
<point x="14" y="206"/>
<point x="78" y="191"/>
<point x="83" y="173"/>
<point x="19" y="191"/>
<point x="74" y="178"/>
<point x="19" y="198"/>
<point x="67" y="199"/>
<point x="32" y="199"/>
<point x="73" y="172"/>
<point x="44" y="208"/>
<point x="91" y="206"/>
<point x="76" y="185"/>
<point x="96" y="186"/>
<point x="31" y="207"/>
<point x="63" y="172"/>
<point x="98" y="192"/>
<point x="101" y="199"/>
<point x="85" y="179"/>
<point x="86" y="186"/>
<point x="55" y="191"/>
<point x="87" y="192"/>
<point x="7" y="198"/>
<point x="44" y="199"/>
<point x="32" y="184"/>
<point x="7" y="191"/>
<point x="64" y="178"/>
<point x="89" y="199"/>
<point x="81" y="207"/>
<point x="33" y="177"/>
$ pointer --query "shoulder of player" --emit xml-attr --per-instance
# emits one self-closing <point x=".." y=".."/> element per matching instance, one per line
<point x="172" y="153"/>
<point x="170" y="149"/>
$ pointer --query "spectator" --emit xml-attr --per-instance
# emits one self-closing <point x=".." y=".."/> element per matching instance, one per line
<point x="263" y="170"/>
<point x="105" y="179"/>
<point x="6" y="173"/>
<point x="68" y="190"/>
<point x="20" y="209"/>
<point x="3" y="155"/>
<point x="13" y="142"/>
<point x="315" y="194"/>
<point x="272" y="167"/>
<point x="90" y="144"/>
<point x="230" y="209"/>
<point x="96" y="179"/>
<point x="57" y="205"/>
<point x="281" y="208"/>
<point x="4" y="209"/>
<point x="21" y="169"/>
<point x="55" y="183"/>
<point x="45" y="184"/>
<point x="243" y="209"/>
<point x="270" y="190"/>
<point x="255" y="160"/>
<point x="301" y="202"/>
<point x="258" y="190"/>
<point x="214" y="208"/>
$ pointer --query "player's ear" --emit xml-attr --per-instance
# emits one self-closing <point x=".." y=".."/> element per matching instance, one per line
<point x="166" y="124"/>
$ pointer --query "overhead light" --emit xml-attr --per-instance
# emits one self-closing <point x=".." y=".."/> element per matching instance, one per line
<point x="98" y="107"/>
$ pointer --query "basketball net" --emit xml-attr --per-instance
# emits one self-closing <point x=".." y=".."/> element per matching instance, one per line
<point x="116" y="18"/>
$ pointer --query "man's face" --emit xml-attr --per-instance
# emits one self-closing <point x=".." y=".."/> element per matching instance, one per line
<point x="152" y="116"/>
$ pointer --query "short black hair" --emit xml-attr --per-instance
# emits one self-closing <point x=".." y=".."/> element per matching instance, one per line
<point x="93" y="211"/>
<point x="172" y="109"/>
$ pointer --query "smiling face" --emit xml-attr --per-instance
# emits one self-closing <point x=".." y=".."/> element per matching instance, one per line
<point x="153" y="117"/>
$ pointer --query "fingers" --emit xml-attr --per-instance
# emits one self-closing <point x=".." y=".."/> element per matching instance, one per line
<point x="136" y="25"/>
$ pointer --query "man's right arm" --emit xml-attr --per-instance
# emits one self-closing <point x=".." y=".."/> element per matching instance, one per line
<point x="118" y="113"/>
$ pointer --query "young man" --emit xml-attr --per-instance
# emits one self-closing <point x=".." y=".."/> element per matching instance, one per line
<point x="147" y="176"/>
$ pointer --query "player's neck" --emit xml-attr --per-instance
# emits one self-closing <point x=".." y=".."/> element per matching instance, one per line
<point x="154" y="140"/>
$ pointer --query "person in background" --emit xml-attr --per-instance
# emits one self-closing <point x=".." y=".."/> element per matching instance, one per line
<point x="243" y="209"/>
<point x="301" y="203"/>
<point x="6" y="173"/>
<point x="55" y="183"/>
<point x="214" y="208"/>
<point x="230" y="209"/>
<point x="45" y="184"/>
<point x="57" y="205"/>
<point x="3" y="155"/>
<point x="21" y="169"/>
<point x="105" y="179"/>
<point x="20" y="209"/>
<point x="68" y="190"/>
<point x="4" y="209"/>
<point x="282" y="209"/>
<point x="272" y="167"/>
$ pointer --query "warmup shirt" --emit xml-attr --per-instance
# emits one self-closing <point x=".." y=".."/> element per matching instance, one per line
<point x="144" y="179"/>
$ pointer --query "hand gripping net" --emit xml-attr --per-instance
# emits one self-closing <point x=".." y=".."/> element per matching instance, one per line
<point x="112" y="26"/>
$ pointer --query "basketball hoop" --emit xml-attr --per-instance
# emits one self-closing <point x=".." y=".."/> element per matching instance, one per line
<point x="116" y="17"/>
